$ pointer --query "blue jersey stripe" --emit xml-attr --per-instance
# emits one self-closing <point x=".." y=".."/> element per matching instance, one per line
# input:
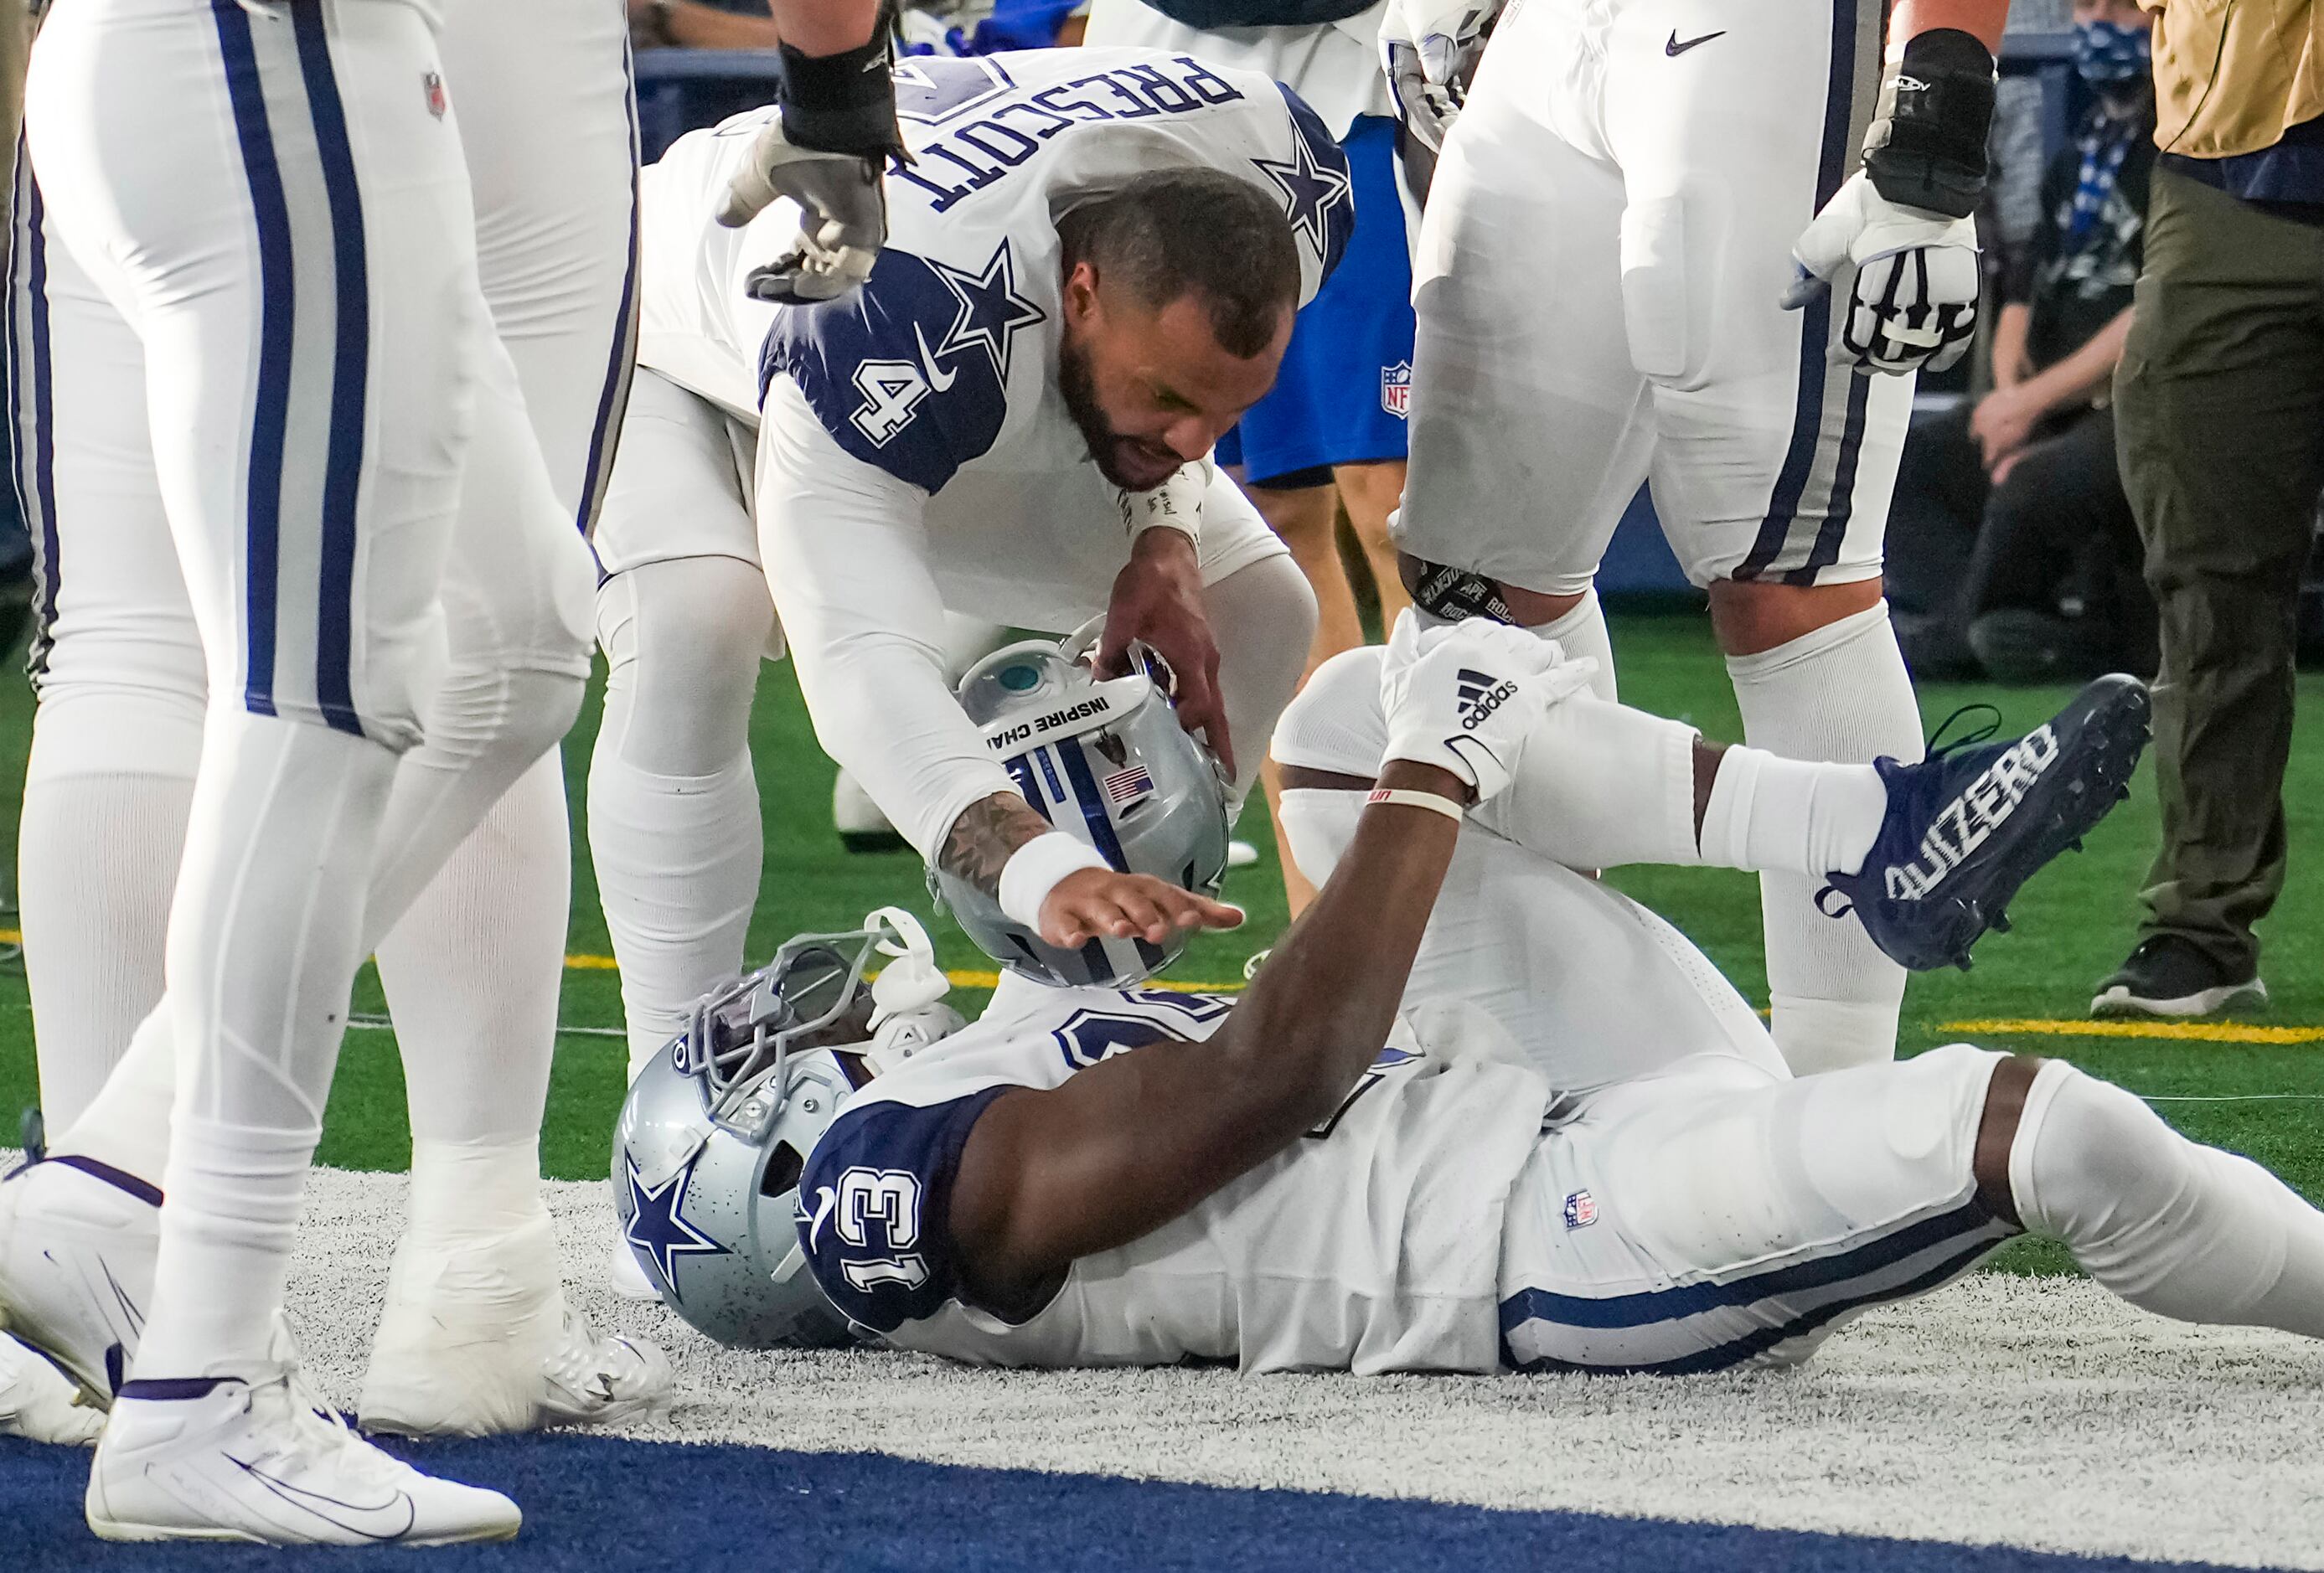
<point x="1751" y="1345"/>
<point x="1815" y="320"/>
<point x="1661" y="1305"/>
<point x="350" y="373"/>
<point x="271" y="405"/>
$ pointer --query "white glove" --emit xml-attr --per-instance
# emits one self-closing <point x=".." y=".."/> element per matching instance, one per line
<point x="1427" y="47"/>
<point x="842" y="216"/>
<point x="1910" y="276"/>
<point x="1465" y="696"/>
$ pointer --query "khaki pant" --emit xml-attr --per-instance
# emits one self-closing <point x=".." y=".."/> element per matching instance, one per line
<point x="2220" y="416"/>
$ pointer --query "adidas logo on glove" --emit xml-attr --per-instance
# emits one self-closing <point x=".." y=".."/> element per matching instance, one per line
<point x="1962" y="825"/>
<point x="1480" y="696"/>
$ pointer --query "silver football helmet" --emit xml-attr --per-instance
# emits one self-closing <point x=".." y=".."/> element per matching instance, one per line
<point x="718" y="1127"/>
<point x="1103" y="760"/>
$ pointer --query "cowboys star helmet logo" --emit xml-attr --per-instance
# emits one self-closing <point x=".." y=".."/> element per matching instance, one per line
<point x="658" y="1229"/>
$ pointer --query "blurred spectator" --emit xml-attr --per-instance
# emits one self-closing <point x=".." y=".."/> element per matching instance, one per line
<point x="2011" y="544"/>
<point x="2220" y="406"/>
<point x="701" y="24"/>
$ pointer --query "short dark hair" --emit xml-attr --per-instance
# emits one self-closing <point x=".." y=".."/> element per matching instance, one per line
<point x="1203" y="233"/>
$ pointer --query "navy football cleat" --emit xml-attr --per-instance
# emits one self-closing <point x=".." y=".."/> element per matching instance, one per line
<point x="1970" y="824"/>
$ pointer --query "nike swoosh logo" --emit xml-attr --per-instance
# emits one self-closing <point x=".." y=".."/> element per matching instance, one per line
<point x="938" y="379"/>
<point x="391" y="1520"/>
<point x="1676" y="47"/>
<point x="825" y="1199"/>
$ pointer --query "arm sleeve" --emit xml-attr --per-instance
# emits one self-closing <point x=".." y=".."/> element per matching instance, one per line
<point x="875" y="1208"/>
<point x="845" y="550"/>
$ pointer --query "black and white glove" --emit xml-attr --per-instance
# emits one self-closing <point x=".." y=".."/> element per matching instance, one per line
<point x="1428" y="47"/>
<point x="1465" y="696"/>
<point x="828" y="153"/>
<point x="1896" y="241"/>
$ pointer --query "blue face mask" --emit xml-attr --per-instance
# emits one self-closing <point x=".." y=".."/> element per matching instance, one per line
<point x="2107" y="53"/>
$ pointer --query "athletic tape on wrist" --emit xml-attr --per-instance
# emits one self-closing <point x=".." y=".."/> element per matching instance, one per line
<point x="1037" y="867"/>
<point x="1163" y="508"/>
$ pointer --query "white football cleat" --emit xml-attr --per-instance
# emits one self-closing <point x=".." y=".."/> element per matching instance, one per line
<point x="261" y="1458"/>
<point x="39" y="1403"/>
<point x="476" y="1340"/>
<point x="626" y="1277"/>
<point x="77" y="1244"/>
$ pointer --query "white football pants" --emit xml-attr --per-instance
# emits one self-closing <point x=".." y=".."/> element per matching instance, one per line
<point x="515" y="577"/>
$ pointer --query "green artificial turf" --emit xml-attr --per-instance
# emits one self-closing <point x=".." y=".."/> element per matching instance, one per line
<point x="2073" y="924"/>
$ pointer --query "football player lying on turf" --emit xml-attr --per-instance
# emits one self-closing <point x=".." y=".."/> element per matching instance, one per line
<point x="1303" y="1178"/>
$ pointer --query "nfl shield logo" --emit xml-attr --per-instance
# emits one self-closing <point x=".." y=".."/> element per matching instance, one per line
<point x="432" y="86"/>
<point x="1581" y="1210"/>
<point x="1396" y="389"/>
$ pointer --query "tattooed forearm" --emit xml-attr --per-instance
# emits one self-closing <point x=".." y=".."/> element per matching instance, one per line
<point x="986" y="832"/>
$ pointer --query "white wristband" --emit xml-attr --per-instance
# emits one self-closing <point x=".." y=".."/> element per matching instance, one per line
<point x="1033" y="869"/>
<point x="1434" y="802"/>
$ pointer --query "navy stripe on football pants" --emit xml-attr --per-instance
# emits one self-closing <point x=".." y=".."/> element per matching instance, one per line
<point x="308" y="403"/>
<point x="31" y="395"/>
<point x="1816" y="484"/>
<point x="614" y="398"/>
<point x="1793" y="1302"/>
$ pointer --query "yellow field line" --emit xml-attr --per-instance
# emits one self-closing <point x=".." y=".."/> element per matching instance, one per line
<point x="2204" y="1032"/>
<point x="2201" y="1032"/>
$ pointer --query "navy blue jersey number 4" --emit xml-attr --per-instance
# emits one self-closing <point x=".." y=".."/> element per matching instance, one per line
<point x="911" y="374"/>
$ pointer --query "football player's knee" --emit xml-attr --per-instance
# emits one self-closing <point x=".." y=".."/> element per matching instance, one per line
<point x="2089" y="1158"/>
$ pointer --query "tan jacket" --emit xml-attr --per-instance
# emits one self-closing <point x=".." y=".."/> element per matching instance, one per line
<point x="2269" y="71"/>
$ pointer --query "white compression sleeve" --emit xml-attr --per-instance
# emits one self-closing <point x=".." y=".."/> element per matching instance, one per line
<point x="1841" y="693"/>
<point x="108" y="791"/>
<point x="674" y="822"/>
<point x="474" y="970"/>
<point x="845" y="550"/>
<point x="1583" y="632"/>
<point x="2180" y="1229"/>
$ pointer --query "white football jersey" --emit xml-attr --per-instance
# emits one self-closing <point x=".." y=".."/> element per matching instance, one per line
<point x="1335" y="65"/>
<point x="1372" y="1244"/>
<point x="947" y="357"/>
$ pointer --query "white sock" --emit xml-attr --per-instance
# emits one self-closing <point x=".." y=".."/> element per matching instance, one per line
<point x="675" y="833"/>
<point x="96" y="861"/>
<point x="1839" y="693"/>
<point x="474" y="970"/>
<point x="678" y="861"/>
<point x="107" y="789"/>
<point x="1582" y="631"/>
<point x="2182" y="1230"/>
<point x="263" y="944"/>
<point x="1791" y="816"/>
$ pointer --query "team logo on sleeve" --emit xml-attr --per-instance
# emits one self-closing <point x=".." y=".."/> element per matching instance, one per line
<point x="1396" y="389"/>
<point x="992" y="313"/>
<point x="1319" y="194"/>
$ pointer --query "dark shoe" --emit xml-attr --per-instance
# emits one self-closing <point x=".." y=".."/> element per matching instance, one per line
<point x="1972" y="822"/>
<point x="1932" y="646"/>
<point x="2018" y="646"/>
<point x="2169" y="976"/>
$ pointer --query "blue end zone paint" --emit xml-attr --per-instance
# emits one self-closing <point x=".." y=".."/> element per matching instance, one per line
<point x="594" y="1503"/>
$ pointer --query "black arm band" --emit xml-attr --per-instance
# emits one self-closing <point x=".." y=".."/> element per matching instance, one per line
<point x="1926" y="149"/>
<point x="843" y="103"/>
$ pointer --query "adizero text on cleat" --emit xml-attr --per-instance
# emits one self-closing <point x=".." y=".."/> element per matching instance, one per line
<point x="1972" y="822"/>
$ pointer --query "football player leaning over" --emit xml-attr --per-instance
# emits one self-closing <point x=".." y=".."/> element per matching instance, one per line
<point x="1575" y="1143"/>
